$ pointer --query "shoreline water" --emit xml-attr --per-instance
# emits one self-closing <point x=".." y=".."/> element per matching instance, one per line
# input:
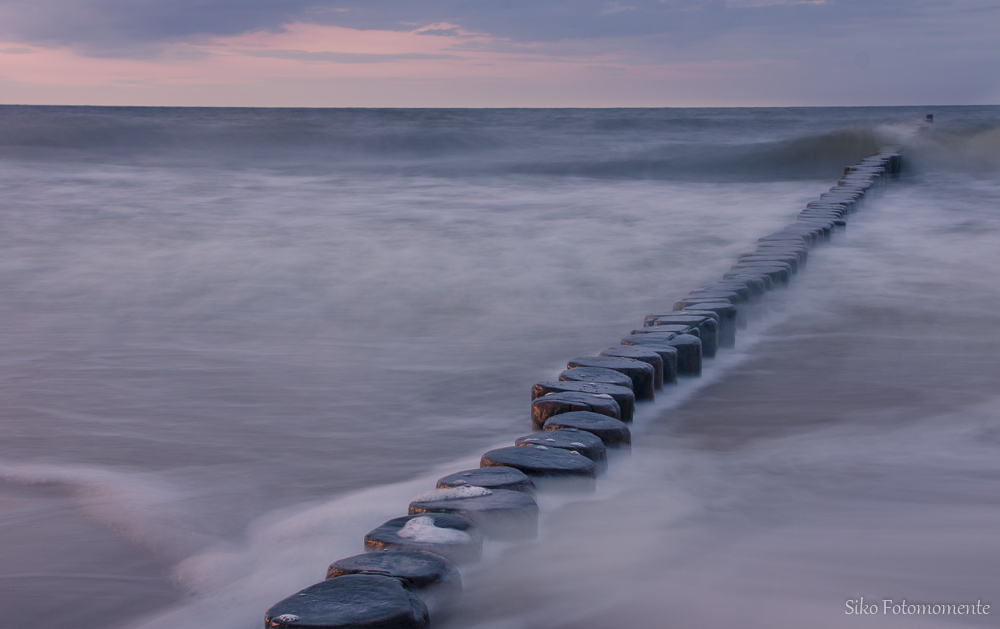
<point x="222" y="529"/>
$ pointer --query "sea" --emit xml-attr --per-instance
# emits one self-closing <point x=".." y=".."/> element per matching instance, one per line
<point x="233" y="341"/>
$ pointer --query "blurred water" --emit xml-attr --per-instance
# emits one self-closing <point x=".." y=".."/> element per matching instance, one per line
<point x="236" y="340"/>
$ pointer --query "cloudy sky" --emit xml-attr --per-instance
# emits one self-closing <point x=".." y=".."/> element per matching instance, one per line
<point x="473" y="53"/>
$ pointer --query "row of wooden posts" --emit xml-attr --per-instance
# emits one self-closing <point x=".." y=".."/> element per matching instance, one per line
<point x="407" y="574"/>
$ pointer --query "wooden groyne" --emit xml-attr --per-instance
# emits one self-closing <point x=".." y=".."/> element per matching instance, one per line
<point x="407" y="571"/>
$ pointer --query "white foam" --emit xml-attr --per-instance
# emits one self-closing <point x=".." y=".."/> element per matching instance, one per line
<point x="456" y="493"/>
<point x="422" y="530"/>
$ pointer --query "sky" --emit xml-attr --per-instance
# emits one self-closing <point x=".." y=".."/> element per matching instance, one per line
<point x="510" y="53"/>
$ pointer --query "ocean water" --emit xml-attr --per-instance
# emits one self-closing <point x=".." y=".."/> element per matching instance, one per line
<point x="234" y="341"/>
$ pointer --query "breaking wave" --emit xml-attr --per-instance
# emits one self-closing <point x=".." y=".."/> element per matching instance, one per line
<point x="627" y="144"/>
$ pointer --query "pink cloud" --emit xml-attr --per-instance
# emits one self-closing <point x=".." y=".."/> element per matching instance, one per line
<point x="443" y="55"/>
<point x="303" y="50"/>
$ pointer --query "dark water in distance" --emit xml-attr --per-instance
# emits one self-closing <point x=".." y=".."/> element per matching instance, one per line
<point x="235" y="340"/>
